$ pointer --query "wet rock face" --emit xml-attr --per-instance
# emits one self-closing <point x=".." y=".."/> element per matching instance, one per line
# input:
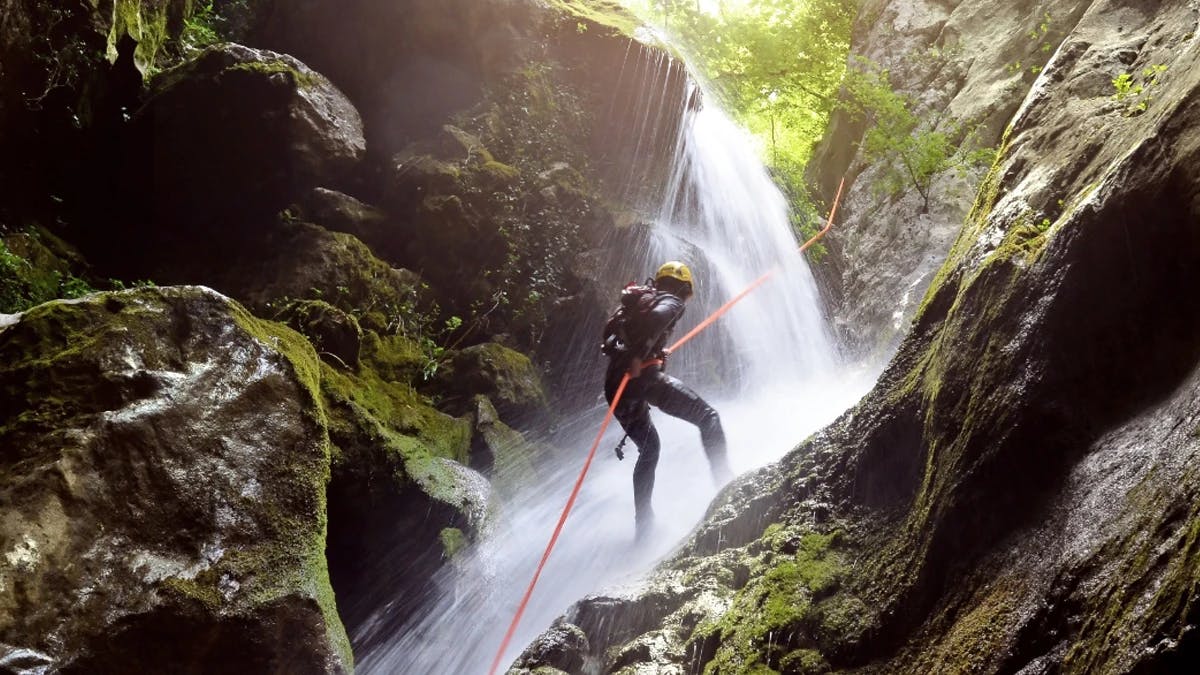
<point x="1015" y="494"/>
<point x="968" y="63"/>
<point x="164" y="466"/>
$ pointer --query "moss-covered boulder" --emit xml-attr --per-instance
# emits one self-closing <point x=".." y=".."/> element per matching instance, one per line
<point x="302" y="261"/>
<point x="335" y="334"/>
<point x="238" y="132"/>
<point x="155" y="517"/>
<point x="36" y="266"/>
<point x="402" y="500"/>
<point x="508" y="378"/>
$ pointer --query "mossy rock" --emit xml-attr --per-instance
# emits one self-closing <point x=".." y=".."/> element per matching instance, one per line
<point x="507" y="377"/>
<point x="340" y="212"/>
<point x="334" y="333"/>
<point x="164" y="478"/>
<point x="36" y="267"/>
<point x="400" y="482"/>
<point x="301" y="261"/>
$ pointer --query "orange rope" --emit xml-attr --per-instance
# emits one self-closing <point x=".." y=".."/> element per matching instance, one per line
<point x="562" y="519"/>
<point x="759" y="281"/>
<point x="512" y="627"/>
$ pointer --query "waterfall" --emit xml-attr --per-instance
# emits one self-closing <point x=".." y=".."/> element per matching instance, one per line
<point x="769" y="367"/>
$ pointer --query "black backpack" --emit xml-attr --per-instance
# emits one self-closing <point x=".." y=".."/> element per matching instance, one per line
<point x="636" y="301"/>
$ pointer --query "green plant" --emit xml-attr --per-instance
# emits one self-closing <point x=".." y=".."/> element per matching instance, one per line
<point x="1135" y="91"/>
<point x="434" y="352"/>
<point x="13" y="294"/>
<point x="200" y="27"/>
<point x="73" y="287"/>
<point x="911" y="148"/>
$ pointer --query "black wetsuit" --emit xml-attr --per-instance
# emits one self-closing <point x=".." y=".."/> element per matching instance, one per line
<point x="649" y="336"/>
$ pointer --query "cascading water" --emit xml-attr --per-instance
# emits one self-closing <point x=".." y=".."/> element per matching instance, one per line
<point x="769" y="367"/>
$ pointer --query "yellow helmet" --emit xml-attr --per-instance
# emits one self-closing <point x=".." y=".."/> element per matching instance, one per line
<point x="674" y="270"/>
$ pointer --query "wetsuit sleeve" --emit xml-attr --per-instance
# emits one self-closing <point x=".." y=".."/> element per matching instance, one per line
<point x="656" y="324"/>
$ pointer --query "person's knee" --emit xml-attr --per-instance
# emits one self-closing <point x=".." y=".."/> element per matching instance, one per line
<point x="710" y="423"/>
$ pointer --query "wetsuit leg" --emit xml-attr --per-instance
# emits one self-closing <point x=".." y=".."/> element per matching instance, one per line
<point x="633" y="414"/>
<point x="672" y="397"/>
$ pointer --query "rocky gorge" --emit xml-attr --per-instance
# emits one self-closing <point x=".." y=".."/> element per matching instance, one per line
<point x="1017" y="493"/>
<point x="283" y="283"/>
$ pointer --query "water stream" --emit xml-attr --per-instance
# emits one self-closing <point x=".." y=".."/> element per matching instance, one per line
<point x="769" y="367"/>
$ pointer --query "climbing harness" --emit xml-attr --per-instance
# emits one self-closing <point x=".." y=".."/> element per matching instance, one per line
<point x="562" y="519"/>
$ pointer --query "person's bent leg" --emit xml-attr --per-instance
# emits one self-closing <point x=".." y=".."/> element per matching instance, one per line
<point x="672" y="397"/>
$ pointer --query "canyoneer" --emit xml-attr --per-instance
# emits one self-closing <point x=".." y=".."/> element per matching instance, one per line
<point x="635" y="335"/>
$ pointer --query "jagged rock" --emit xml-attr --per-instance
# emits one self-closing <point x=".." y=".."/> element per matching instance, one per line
<point x="505" y="376"/>
<point x="340" y="212"/>
<point x="240" y="131"/>
<point x="164" y="490"/>
<point x="966" y="62"/>
<point x="559" y="649"/>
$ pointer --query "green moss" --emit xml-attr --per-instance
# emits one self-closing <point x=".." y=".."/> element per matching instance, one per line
<point x="804" y="662"/>
<point x="292" y="345"/>
<point x="773" y="615"/>
<point x="453" y="540"/>
<point x="415" y="427"/>
<point x="302" y="79"/>
<point x="499" y="172"/>
<point x="144" y="21"/>
<point x="607" y="13"/>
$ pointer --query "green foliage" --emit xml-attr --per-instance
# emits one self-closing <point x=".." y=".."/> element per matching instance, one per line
<point x="12" y="290"/>
<point x="24" y="284"/>
<point x="1135" y="92"/>
<point x="912" y="148"/>
<point x="1043" y="39"/>
<point x="776" y="64"/>
<point x="200" y="29"/>
<point x="213" y="21"/>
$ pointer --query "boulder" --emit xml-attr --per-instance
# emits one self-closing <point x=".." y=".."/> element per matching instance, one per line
<point x="410" y="64"/>
<point x="163" y="498"/>
<point x="238" y="131"/>
<point x="334" y="333"/>
<point x="304" y="261"/>
<point x="340" y="212"/>
<point x="557" y="650"/>
<point x="505" y="376"/>
<point x="502" y="453"/>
